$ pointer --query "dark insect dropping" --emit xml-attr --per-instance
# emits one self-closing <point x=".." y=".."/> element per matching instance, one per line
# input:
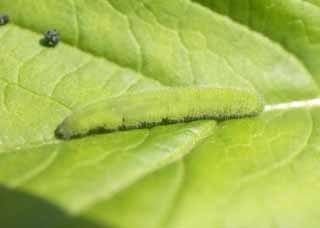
<point x="4" y="19"/>
<point x="51" y="38"/>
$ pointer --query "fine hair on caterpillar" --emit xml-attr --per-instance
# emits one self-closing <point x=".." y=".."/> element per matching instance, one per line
<point x="160" y="107"/>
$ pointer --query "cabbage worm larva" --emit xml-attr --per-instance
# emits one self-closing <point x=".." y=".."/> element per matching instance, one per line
<point x="165" y="106"/>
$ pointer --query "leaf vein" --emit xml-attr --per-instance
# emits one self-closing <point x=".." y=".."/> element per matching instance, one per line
<point x="36" y="94"/>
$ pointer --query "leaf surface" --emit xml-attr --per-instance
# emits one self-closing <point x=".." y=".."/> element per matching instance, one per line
<point x="256" y="172"/>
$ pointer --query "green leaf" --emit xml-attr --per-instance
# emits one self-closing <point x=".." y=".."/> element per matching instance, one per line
<point x="259" y="172"/>
<point x="293" y="24"/>
<point x="255" y="172"/>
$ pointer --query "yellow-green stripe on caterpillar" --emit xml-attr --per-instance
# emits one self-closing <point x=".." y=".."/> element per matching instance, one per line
<point x="165" y="106"/>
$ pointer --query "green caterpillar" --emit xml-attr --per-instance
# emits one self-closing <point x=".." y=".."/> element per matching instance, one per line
<point x="165" y="106"/>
